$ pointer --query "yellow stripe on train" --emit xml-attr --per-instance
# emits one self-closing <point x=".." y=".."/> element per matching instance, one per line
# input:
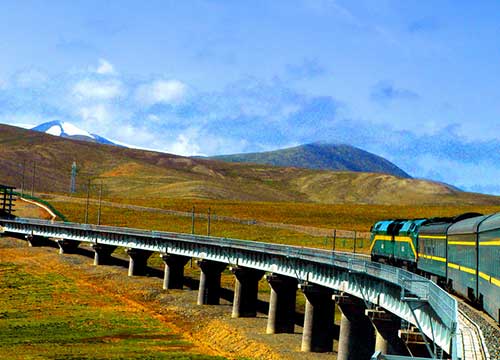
<point x="432" y="257"/>
<point x="405" y="239"/>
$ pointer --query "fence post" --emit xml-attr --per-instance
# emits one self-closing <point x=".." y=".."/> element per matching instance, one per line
<point x="87" y="203"/>
<point x="192" y="221"/>
<point x="334" y="238"/>
<point x="208" y="223"/>
<point x="354" y="244"/>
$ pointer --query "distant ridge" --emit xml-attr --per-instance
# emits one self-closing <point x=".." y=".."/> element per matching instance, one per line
<point x="321" y="156"/>
<point x="70" y="131"/>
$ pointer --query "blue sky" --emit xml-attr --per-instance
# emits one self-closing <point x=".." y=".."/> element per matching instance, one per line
<point x="414" y="81"/>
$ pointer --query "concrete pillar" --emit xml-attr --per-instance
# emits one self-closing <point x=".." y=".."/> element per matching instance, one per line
<point x="318" y="329"/>
<point x="67" y="246"/>
<point x="138" y="261"/>
<point x="209" y="290"/>
<point x="246" y="291"/>
<point x="281" y="317"/>
<point x="387" y="327"/>
<point x="34" y="240"/>
<point x="356" y="338"/>
<point x="102" y="253"/>
<point x="174" y="271"/>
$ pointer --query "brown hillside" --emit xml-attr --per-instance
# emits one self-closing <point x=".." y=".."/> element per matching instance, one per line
<point x="134" y="173"/>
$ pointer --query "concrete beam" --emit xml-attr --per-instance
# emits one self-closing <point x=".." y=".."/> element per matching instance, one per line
<point x="387" y="327"/>
<point x="174" y="271"/>
<point x="209" y="290"/>
<point x="318" y="329"/>
<point x="281" y="317"/>
<point x="138" y="261"/>
<point x="246" y="291"/>
<point x="356" y="338"/>
<point x="66" y="246"/>
<point x="102" y="253"/>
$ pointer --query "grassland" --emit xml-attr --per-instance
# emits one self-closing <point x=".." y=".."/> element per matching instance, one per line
<point x="47" y="313"/>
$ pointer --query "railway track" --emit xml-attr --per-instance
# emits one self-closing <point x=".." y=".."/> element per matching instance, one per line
<point x="474" y="347"/>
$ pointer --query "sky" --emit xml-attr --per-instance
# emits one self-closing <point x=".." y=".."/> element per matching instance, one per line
<point x="414" y="81"/>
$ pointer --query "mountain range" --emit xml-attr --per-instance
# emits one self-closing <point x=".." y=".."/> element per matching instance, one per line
<point x="319" y="156"/>
<point x="133" y="173"/>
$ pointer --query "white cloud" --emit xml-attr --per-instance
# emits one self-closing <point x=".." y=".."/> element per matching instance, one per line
<point x="185" y="145"/>
<point x="30" y="78"/>
<point x="161" y="91"/>
<point x="100" y="90"/>
<point x="96" y="116"/>
<point x="105" y="68"/>
<point x="459" y="173"/>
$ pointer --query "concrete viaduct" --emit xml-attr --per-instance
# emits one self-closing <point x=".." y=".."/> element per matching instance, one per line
<point x="373" y="298"/>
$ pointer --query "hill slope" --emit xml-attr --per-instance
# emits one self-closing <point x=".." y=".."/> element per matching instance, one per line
<point x="323" y="157"/>
<point x="131" y="173"/>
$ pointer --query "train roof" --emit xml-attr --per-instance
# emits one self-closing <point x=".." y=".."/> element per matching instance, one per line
<point x="491" y="223"/>
<point x="467" y="226"/>
<point x="435" y="228"/>
<point x="407" y="225"/>
<point x="382" y="225"/>
<point x="440" y="225"/>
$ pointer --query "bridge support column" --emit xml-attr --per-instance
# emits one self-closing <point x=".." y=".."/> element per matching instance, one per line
<point x="67" y="246"/>
<point x="387" y="327"/>
<point x="34" y="240"/>
<point x="102" y="253"/>
<point x="138" y="261"/>
<point x="174" y="271"/>
<point x="318" y="329"/>
<point x="356" y="338"/>
<point x="209" y="290"/>
<point x="245" y="291"/>
<point x="281" y="317"/>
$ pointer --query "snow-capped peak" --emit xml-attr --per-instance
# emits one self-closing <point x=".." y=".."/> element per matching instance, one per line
<point x="72" y="130"/>
<point x="68" y="130"/>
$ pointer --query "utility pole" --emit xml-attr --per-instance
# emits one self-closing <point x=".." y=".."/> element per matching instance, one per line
<point x="100" y="205"/>
<point x="33" y="179"/>
<point x="87" y="204"/>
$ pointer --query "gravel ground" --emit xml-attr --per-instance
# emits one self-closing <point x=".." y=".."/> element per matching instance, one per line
<point x="490" y="329"/>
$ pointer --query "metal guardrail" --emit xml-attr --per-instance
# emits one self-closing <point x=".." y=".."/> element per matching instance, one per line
<point x="414" y="285"/>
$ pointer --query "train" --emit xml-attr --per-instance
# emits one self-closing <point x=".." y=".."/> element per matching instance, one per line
<point x="461" y="253"/>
